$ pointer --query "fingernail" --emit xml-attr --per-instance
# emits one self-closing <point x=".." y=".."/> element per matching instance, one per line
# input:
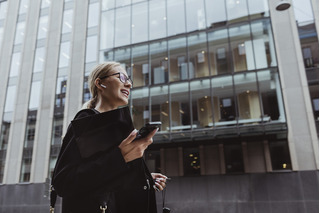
<point x="134" y="132"/>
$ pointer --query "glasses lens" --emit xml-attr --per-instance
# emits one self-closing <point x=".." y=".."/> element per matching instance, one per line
<point x="124" y="78"/>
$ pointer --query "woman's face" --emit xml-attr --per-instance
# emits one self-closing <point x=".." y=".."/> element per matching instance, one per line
<point x="116" y="92"/>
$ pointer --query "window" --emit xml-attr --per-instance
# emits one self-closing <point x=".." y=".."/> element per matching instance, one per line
<point x="107" y="30"/>
<point x="15" y="64"/>
<point x="216" y="13"/>
<point x="10" y="99"/>
<point x="39" y="60"/>
<point x="19" y="33"/>
<point x="24" y="5"/>
<point x="139" y="26"/>
<point x="140" y="107"/>
<point x="191" y="161"/>
<point x="3" y="10"/>
<point x="196" y="19"/>
<point x="176" y="17"/>
<point x="122" y="29"/>
<point x="158" y="19"/>
<point x="35" y="95"/>
<point x="233" y="158"/>
<point x="93" y="15"/>
<point x="236" y="10"/>
<point x="280" y="156"/>
<point x="159" y="62"/>
<point x="67" y="21"/>
<point x="91" y="49"/>
<point x="43" y="27"/>
<point x="140" y="66"/>
<point x="159" y="104"/>
<point x="64" y="54"/>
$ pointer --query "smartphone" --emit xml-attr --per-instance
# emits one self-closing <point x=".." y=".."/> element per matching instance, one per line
<point x="147" y="128"/>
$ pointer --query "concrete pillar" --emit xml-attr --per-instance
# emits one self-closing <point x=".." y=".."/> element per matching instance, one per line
<point x="74" y="92"/>
<point x="245" y="157"/>
<point x="315" y="8"/>
<point x="42" y="143"/>
<point x="222" y="159"/>
<point x="18" y="126"/>
<point x="302" y="134"/>
<point x="267" y="156"/>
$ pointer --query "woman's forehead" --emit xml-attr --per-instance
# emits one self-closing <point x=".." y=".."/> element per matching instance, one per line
<point x="119" y="69"/>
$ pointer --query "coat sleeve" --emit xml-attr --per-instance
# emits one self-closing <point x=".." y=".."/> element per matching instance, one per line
<point x="73" y="174"/>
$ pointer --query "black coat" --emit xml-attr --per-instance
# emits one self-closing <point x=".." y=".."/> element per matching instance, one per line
<point x="91" y="170"/>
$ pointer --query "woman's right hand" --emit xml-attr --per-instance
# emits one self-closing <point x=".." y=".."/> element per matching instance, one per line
<point x="131" y="149"/>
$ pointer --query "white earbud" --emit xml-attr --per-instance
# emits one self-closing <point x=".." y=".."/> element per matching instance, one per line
<point x="103" y="86"/>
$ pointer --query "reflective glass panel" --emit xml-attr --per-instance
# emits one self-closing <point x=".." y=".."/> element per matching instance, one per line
<point x="220" y="61"/>
<point x="271" y="96"/>
<point x="223" y="97"/>
<point x="201" y="104"/>
<point x="43" y="29"/>
<point x="122" y="30"/>
<point x="237" y="10"/>
<point x="176" y="17"/>
<point x="180" y="107"/>
<point x="196" y="19"/>
<point x="242" y="49"/>
<point x="160" y="106"/>
<point x="35" y="95"/>
<point x="198" y="65"/>
<point x="107" y="4"/>
<point x="139" y="26"/>
<point x="140" y="66"/>
<point x="19" y="33"/>
<point x="158" y="19"/>
<point x="92" y="48"/>
<point x="159" y="62"/>
<point x="45" y="3"/>
<point x="1" y="36"/>
<point x="24" y="5"/>
<point x="107" y="30"/>
<point x="67" y="21"/>
<point x="10" y="99"/>
<point x="15" y="64"/>
<point x="39" y="60"/>
<point x="122" y="55"/>
<point x="3" y="10"/>
<point x="258" y="8"/>
<point x="178" y="58"/>
<point x="140" y="107"/>
<point x="216" y="13"/>
<point x="93" y="15"/>
<point x="121" y="3"/>
<point x="248" y="99"/>
<point x="64" y="54"/>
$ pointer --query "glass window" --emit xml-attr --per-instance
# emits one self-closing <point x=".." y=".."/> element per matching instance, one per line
<point x="139" y="25"/>
<point x="35" y="95"/>
<point x="280" y="155"/>
<point x="107" y="30"/>
<point x="271" y="96"/>
<point x="30" y="129"/>
<point x="25" y="169"/>
<point x="107" y="4"/>
<point x="24" y="5"/>
<point x="10" y="99"/>
<point x="93" y="16"/>
<point x="258" y="8"/>
<point x="178" y="58"/>
<point x="1" y="36"/>
<point x="122" y="30"/>
<point x="19" y="33"/>
<point x="201" y="104"/>
<point x="91" y="49"/>
<point x="220" y="61"/>
<point x="191" y="161"/>
<point x="248" y="99"/>
<point x="237" y="10"/>
<point x="158" y="19"/>
<point x="223" y="99"/>
<point x="15" y="64"/>
<point x="121" y="3"/>
<point x="140" y="107"/>
<point x="57" y="130"/>
<point x="3" y="10"/>
<point x="198" y="65"/>
<point x="67" y="21"/>
<point x="140" y="66"/>
<point x="159" y="62"/>
<point x="64" y="54"/>
<point x="4" y="135"/>
<point x="176" y="17"/>
<point x="216" y="13"/>
<point x="39" y="60"/>
<point x="160" y="106"/>
<point x="45" y="3"/>
<point x="242" y="49"/>
<point x="180" y="107"/>
<point x="196" y="19"/>
<point x="233" y="158"/>
<point x="303" y="11"/>
<point x="43" y="29"/>
<point x="122" y="55"/>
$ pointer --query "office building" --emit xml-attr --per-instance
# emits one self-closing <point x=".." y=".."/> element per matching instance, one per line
<point x="235" y="84"/>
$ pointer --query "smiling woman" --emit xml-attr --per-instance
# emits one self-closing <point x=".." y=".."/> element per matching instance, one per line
<point x="100" y="164"/>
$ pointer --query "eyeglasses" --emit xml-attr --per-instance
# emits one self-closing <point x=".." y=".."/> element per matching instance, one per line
<point x="123" y="78"/>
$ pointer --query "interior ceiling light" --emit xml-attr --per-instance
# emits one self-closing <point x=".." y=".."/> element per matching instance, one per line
<point x="283" y="5"/>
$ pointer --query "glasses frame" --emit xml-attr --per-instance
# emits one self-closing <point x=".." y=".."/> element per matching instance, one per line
<point x="127" y="79"/>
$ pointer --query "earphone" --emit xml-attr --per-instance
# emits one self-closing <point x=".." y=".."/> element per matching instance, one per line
<point x="103" y="86"/>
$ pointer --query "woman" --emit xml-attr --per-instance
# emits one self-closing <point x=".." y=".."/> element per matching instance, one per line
<point x="100" y="166"/>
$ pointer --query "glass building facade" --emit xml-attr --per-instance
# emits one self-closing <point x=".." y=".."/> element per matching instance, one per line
<point x="216" y="73"/>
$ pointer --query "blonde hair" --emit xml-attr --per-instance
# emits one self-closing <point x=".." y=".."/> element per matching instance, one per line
<point x="98" y="71"/>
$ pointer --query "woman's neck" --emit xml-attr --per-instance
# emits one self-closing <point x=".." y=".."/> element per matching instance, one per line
<point x="104" y="107"/>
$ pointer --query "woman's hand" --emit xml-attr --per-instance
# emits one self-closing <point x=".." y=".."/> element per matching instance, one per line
<point x="160" y="180"/>
<point x="132" y="150"/>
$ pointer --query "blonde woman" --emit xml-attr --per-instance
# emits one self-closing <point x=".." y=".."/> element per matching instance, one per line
<point x="100" y="166"/>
